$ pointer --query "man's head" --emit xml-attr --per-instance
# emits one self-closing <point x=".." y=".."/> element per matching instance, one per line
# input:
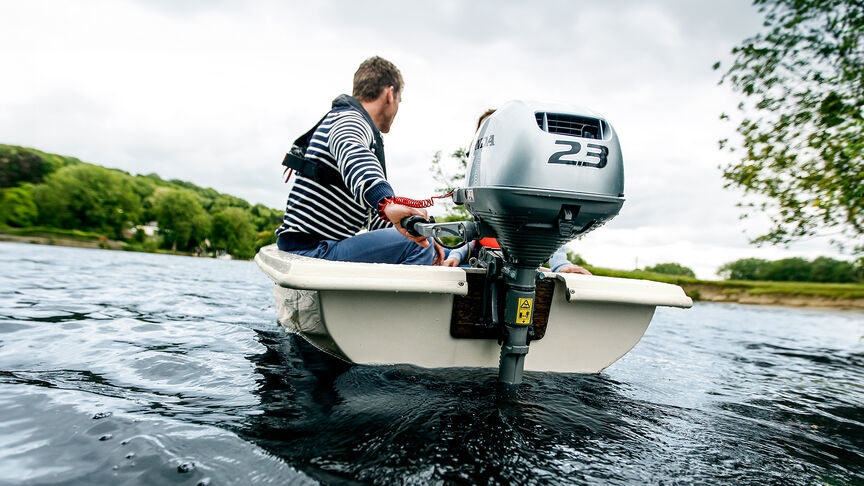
<point x="374" y="76"/>
<point x="378" y="85"/>
<point x="486" y="114"/>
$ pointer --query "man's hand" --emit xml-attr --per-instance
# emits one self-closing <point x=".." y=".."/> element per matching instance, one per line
<point x="439" y="254"/>
<point x="573" y="268"/>
<point x="396" y="212"/>
<point x="450" y="262"/>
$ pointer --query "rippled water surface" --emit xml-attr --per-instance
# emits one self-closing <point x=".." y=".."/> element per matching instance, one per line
<point x="128" y="368"/>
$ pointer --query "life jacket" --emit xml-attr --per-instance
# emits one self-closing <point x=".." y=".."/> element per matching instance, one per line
<point x="482" y="242"/>
<point x="321" y="173"/>
<point x="487" y="242"/>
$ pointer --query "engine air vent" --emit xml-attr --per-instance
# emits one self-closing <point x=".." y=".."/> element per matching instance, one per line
<point x="573" y="125"/>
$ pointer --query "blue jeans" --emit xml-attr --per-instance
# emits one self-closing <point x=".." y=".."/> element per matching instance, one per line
<point x="379" y="246"/>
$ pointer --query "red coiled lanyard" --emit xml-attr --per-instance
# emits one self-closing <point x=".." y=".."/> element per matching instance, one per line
<point x="407" y="201"/>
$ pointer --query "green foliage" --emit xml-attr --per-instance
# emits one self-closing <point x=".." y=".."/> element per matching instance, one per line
<point x="789" y="270"/>
<point x="144" y="188"/>
<point x="183" y="223"/>
<point x="642" y="275"/>
<point x="822" y="269"/>
<point x="234" y="233"/>
<point x="21" y="165"/>
<point x="671" y="269"/>
<point x="88" y="197"/>
<point x="743" y="269"/>
<point x="210" y="199"/>
<point x="817" y="289"/>
<point x="450" y="176"/>
<point x="266" y="219"/>
<point x="18" y="166"/>
<point x="54" y="232"/>
<point x="76" y="196"/>
<point x="264" y="238"/>
<point x="802" y="128"/>
<point x="576" y="259"/>
<point x="17" y="207"/>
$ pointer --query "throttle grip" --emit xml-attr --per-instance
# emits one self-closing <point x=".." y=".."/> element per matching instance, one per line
<point x="410" y="222"/>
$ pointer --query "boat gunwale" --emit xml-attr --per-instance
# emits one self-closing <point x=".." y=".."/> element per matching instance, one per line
<point x="304" y="273"/>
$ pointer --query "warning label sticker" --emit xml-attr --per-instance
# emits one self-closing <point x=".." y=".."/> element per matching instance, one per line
<point x="523" y="315"/>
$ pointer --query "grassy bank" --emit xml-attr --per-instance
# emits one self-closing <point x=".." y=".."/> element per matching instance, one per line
<point x="52" y="233"/>
<point x="40" y="235"/>
<point x="843" y="295"/>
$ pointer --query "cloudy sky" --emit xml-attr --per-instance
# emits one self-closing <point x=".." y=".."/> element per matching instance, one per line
<point x="214" y="91"/>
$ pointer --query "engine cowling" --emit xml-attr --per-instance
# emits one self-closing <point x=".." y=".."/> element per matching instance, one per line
<point x="541" y="174"/>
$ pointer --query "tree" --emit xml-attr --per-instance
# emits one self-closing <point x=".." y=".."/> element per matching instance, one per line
<point x="743" y="269"/>
<point x="576" y="258"/>
<point x="266" y="219"/>
<point x="802" y="131"/>
<point x="211" y="200"/>
<point x="671" y="269"/>
<point x="264" y="238"/>
<point x="822" y="269"/>
<point x="234" y="233"/>
<point x="17" y="207"/>
<point x="449" y="179"/>
<point x="20" y="165"/>
<point x="183" y="223"/>
<point x="88" y="197"/>
<point x="787" y="270"/>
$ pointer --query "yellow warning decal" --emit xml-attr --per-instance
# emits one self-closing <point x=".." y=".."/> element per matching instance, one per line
<point x="523" y="314"/>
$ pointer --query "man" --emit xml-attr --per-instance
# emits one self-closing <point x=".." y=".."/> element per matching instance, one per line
<point x="323" y="216"/>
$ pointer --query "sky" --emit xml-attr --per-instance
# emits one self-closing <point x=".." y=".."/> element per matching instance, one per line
<point x="215" y="91"/>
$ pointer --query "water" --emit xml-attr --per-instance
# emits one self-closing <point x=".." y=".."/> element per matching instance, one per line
<point x="127" y="368"/>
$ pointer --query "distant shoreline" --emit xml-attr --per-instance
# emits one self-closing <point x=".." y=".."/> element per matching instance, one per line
<point x="716" y="293"/>
<point x="84" y="243"/>
<point x="702" y="292"/>
<point x="59" y="241"/>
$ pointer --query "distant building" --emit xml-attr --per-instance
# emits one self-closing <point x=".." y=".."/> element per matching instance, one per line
<point x="149" y="229"/>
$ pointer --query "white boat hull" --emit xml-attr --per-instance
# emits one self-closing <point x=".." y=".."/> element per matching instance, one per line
<point x="387" y="314"/>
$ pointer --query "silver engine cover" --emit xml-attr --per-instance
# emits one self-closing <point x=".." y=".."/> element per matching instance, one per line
<point x="540" y="174"/>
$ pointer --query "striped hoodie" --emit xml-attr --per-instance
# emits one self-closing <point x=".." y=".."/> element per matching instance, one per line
<point x="345" y="140"/>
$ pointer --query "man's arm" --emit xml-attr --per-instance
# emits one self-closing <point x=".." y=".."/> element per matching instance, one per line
<point x="560" y="264"/>
<point x="350" y="139"/>
<point x="458" y="255"/>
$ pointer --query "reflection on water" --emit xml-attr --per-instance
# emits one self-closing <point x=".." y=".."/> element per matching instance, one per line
<point x="149" y="369"/>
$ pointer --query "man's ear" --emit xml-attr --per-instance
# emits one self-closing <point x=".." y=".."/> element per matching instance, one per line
<point x="390" y="91"/>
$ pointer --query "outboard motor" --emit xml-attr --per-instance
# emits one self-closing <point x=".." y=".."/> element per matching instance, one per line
<point x="539" y="175"/>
